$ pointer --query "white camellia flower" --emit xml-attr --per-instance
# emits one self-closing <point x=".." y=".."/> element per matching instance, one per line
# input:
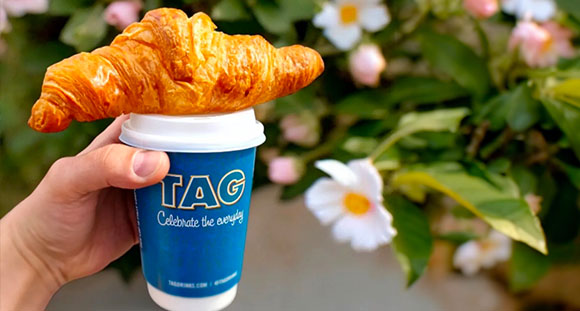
<point x="343" y="20"/>
<point x="539" y="10"/>
<point x="352" y="199"/>
<point x="471" y="256"/>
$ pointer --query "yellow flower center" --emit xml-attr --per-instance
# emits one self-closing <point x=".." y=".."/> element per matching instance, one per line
<point x="348" y="14"/>
<point x="356" y="204"/>
<point x="487" y="245"/>
<point x="548" y="44"/>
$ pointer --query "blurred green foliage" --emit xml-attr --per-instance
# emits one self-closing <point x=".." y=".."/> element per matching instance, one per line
<point x="463" y="117"/>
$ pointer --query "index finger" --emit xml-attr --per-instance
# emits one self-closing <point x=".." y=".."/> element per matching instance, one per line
<point x="109" y="136"/>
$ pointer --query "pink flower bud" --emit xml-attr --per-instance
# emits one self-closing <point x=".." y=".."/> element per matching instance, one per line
<point x="302" y="130"/>
<point x="366" y="65"/>
<point x="21" y="7"/>
<point x="541" y="45"/>
<point x="123" y="13"/>
<point x="481" y="8"/>
<point x="285" y="170"/>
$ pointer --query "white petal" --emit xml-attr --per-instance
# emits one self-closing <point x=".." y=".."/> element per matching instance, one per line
<point x="374" y="18"/>
<point x="503" y="246"/>
<point x="344" y="228"/>
<point x="498" y="237"/>
<point x="338" y="171"/>
<point x="467" y="257"/>
<point x="366" y="233"/>
<point x="328" y="17"/>
<point x="325" y="191"/>
<point x="510" y="6"/>
<point x="324" y="200"/>
<point x="343" y="37"/>
<point x="369" y="180"/>
<point x="470" y="268"/>
<point x="372" y="233"/>
<point x="19" y="8"/>
<point x="375" y="231"/>
<point x="541" y="10"/>
<point x="384" y="225"/>
<point x="503" y="252"/>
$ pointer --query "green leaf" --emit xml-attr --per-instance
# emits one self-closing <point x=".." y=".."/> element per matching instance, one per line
<point x="568" y="91"/>
<point x="413" y="122"/>
<point x="526" y="267"/>
<point x="360" y="145"/>
<point x="151" y="4"/>
<point x="67" y="7"/>
<point x="524" y="110"/>
<point x="446" y="9"/>
<point x="517" y="107"/>
<point x="389" y="160"/>
<point x="498" y="204"/>
<point x="570" y="6"/>
<point x="572" y="172"/>
<point x="562" y="220"/>
<point x="499" y="166"/>
<point x="365" y="104"/>
<point x="413" y="243"/>
<point x="526" y="180"/>
<point x="375" y="104"/>
<point x="299" y="102"/>
<point x="298" y="9"/>
<point x="495" y="111"/>
<point x="436" y="120"/>
<point x="456" y="59"/>
<point x="230" y="10"/>
<point x="548" y="190"/>
<point x="567" y="117"/>
<point x="85" y="29"/>
<point x="423" y="90"/>
<point x="272" y="17"/>
<point x="569" y="63"/>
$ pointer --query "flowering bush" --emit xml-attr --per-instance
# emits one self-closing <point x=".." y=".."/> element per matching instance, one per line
<point x="459" y="121"/>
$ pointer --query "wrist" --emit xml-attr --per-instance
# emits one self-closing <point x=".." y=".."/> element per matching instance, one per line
<point x="26" y="281"/>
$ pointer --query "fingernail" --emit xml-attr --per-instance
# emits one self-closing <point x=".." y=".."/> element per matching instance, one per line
<point x="145" y="163"/>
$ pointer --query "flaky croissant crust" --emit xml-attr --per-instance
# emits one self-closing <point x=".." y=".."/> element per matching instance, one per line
<point x="173" y="65"/>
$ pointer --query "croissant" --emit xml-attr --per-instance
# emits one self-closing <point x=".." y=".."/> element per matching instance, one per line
<point x="173" y="65"/>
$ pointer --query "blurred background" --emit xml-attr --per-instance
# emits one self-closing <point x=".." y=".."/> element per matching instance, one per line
<point x="468" y="109"/>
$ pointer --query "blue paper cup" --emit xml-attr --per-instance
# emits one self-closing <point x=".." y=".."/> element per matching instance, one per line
<point x="192" y="225"/>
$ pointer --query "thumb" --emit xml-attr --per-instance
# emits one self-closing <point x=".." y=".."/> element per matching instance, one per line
<point x="113" y="165"/>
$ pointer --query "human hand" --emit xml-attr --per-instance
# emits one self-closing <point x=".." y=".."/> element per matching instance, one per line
<point x="79" y="219"/>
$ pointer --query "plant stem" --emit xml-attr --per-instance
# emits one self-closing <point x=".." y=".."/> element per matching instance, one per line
<point x="386" y="144"/>
<point x="390" y="140"/>
<point x="326" y="147"/>
<point x="548" y="73"/>
<point x="482" y="38"/>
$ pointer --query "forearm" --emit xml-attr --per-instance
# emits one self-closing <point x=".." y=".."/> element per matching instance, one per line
<point x="25" y="284"/>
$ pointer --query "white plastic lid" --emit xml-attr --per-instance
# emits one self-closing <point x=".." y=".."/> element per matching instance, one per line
<point x="194" y="133"/>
